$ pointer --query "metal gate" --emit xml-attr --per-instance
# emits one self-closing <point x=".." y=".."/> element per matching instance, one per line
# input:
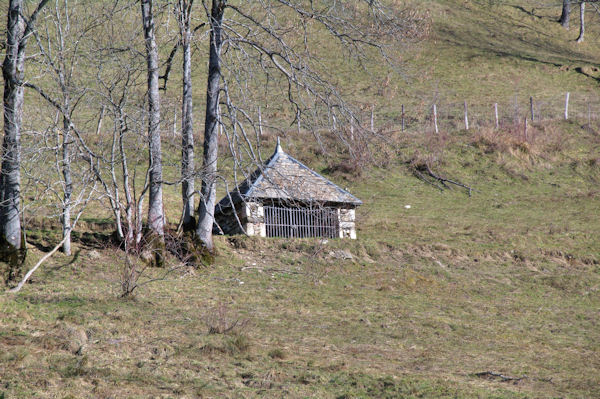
<point x="301" y="222"/>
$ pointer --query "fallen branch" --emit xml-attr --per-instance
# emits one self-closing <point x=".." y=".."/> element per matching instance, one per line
<point x="421" y="177"/>
<point x="420" y="168"/>
<point x="504" y="378"/>
<point x="444" y="180"/>
<point x="34" y="268"/>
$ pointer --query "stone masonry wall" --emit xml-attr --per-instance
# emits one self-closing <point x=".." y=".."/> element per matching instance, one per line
<point x="253" y="213"/>
<point x="347" y="223"/>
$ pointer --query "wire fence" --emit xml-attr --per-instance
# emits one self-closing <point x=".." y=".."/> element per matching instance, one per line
<point x="440" y="115"/>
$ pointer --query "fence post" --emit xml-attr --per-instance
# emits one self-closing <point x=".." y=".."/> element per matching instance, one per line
<point x="531" y="108"/>
<point x="496" y="114"/>
<point x="402" y="117"/>
<point x="435" y="119"/>
<point x="567" y="106"/>
<point x="466" y="117"/>
<point x="526" y="139"/>
<point x="373" y="118"/>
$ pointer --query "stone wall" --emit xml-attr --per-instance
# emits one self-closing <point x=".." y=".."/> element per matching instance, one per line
<point x="253" y="216"/>
<point x="347" y="218"/>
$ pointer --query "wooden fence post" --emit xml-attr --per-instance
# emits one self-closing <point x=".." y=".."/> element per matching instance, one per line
<point x="402" y="117"/>
<point x="526" y="129"/>
<point x="373" y="118"/>
<point x="567" y="106"/>
<point x="435" y="119"/>
<point x="531" y="108"/>
<point x="496" y="114"/>
<point x="466" y="117"/>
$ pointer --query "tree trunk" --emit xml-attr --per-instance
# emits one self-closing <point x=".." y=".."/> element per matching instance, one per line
<point x="155" y="202"/>
<point x="113" y="197"/>
<point x="10" y="174"/>
<point x="63" y="77"/>
<point x="187" y="125"/>
<point x="581" y="21"/>
<point x="206" y="207"/>
<point x="129" y="201"/>
<point x="566" y="13"/>
<point x="66" y="171"/>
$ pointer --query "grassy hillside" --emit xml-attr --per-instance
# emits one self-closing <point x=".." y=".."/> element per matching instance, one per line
<point x="506" y="280"/>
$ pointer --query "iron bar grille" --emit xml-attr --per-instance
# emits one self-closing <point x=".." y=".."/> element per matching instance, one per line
<point x="301" y="222"/>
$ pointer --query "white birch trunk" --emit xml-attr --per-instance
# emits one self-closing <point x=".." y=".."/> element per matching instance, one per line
<point x="206" y="208"/>
<point x="156" y="217"/>
<point x="187" y="121"/>
<point x="581" y="21"/>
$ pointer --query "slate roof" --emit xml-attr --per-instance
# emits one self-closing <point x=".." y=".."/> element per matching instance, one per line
<point x="284" y="177"/>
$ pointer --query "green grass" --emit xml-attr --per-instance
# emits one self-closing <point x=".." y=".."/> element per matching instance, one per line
<point x="506" y="280"/>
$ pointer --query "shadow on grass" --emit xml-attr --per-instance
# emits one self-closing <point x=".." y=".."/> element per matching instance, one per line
<point x="73" y="259"/>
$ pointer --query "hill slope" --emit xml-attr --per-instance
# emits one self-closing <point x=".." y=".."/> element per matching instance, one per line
<point x="506" y="280"/>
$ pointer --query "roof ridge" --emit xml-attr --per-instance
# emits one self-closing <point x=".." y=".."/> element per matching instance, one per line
<point x="288" y="188"/>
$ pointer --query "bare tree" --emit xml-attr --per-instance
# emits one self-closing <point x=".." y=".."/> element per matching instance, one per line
<point x="19" y="29"/>
<point x="120" y="68"/>
<point x="115" y="95"/>
<point x="259" y="47"/>
<point x="256" y="48"/>
<point x="119" y="95"/>
<point x="581" y="21"/>
<point x="114" y="173"/>
<point x="156" y="217"/>
<point x="184" y="11"/>
<point x="209" y="161"/>
<point x="59" y="56"/>
<point x="566" y="14"/>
